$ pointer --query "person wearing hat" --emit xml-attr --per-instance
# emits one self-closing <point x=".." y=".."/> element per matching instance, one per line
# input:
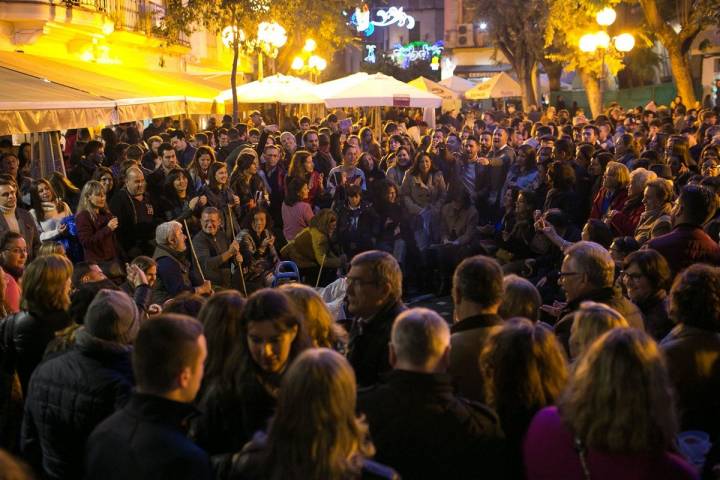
<point x="70" y="394"/>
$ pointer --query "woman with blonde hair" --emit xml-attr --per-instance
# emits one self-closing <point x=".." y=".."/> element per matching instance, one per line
<point x="319" y="323"/>
<point x="315" y="432"/>
<point x="524" y="369"/>
<point x="45" y="300"/>
<point x="96" y="225"/>
<point x="614" y="191"/>
<point x="616" y="418"/>
<point x="590" y="322"/>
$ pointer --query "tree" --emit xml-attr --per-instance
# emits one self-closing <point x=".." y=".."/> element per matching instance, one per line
<point x="241" y="16"/>
<point x="568" y="21"/>
<point x="677" y="23"/>
<point x="300" y="19"/>
<point x="519" y="36"/>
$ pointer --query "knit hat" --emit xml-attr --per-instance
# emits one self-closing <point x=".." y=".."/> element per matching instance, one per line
<point x="113" y="316"/>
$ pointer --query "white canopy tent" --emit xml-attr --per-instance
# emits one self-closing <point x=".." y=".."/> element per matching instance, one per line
<point x="501" y="85"/>
<point x="278" y="88"/>
<point x="457" y="84"/>
<point x="376" y="90"/>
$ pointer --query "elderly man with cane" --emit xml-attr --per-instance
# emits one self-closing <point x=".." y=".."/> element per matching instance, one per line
<point x="176" y="273"/>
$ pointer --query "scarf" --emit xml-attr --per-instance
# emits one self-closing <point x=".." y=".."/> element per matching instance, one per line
<point x="49" y="207"/>
<point x="7" y="210"/>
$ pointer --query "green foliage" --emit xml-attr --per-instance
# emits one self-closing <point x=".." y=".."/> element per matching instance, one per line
<point x="568" y="21"/>
<point x="321" y="21"/>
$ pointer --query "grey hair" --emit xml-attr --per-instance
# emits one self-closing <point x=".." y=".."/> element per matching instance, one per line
<point x="594" y="261"/>
<point x="419" y="336"/>
<point x="164" y="230"/>
<point x="384" y="268"/>
<point x="642" y="177"/>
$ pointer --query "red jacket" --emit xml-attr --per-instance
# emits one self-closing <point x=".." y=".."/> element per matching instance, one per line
<point x="616" y="203"/>
<point x="684" y="245"/>
<point x="96" y="238"/>
<point x="626" y="220"/>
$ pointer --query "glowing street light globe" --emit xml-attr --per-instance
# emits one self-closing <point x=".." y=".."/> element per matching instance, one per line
<point x="624" y="42"/>
<point x="606" y="16"/>
<point x="602" y="40"/>
<point x="297" y="63"/>
<point x="317" y="63"/>
<point x="272" y="34"/>
<point x="588" y="43"/>
<point x="228" y="35"/>
<point x="310" y="45"/>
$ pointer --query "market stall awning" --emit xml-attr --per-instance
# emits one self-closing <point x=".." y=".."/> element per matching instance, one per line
<point x="284" y="89"/>
<point x="375" y="90"/>
<point x="139" y="94"/>
<point x="501" y="85"/>
<point x="30" y="104"/>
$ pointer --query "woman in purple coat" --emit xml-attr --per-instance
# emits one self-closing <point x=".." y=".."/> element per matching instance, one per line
<point x="616" y="418"/>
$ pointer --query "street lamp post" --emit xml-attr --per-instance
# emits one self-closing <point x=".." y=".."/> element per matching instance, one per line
<point x="600" y="40"/>
<point x="314" y="64"/>
<point x="271" y="37"/>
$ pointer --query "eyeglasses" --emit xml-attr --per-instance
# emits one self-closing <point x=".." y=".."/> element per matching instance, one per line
<point x="18" y="250"/>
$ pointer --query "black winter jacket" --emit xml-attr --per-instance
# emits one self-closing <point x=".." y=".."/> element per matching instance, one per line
<point x="68" y="396"/>
<point x="368" y="347"/>
<point x="146" y="440"/>
<point x="29" y="332"/>
<point x="423" y="430"/>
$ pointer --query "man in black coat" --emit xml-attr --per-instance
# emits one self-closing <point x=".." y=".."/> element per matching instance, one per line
<point x="417" y="424"/>
<point x="477" y="293"/>
<point x="73" y="392"/>
<point x="136" y="216"/>
<point x="374" y="292"/>
<point x="146" y="440"/>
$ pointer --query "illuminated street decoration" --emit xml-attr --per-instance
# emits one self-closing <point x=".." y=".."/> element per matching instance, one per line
<point x="392" y="16"/>
<point x="404" y="55"/>
<point x="395" y="15"/>
<point x="370" y="57"/>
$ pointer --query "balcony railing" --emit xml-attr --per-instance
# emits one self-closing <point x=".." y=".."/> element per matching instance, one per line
<point x="141" y="16"/>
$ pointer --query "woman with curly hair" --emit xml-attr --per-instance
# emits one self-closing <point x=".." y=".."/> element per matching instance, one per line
<point x="615" y="419"/>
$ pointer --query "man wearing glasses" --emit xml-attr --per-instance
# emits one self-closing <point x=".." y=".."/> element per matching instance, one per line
<point x="588" y="273"/>
<point x="374" y="298"/>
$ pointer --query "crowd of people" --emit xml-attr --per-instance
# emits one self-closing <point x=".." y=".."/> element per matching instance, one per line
<point x="148" y="334"/>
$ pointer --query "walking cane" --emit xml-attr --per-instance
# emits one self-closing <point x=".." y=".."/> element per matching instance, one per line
<point x="192" y="249"/>
<point x="232" y="229"/>
<point x="322" y="263"/>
